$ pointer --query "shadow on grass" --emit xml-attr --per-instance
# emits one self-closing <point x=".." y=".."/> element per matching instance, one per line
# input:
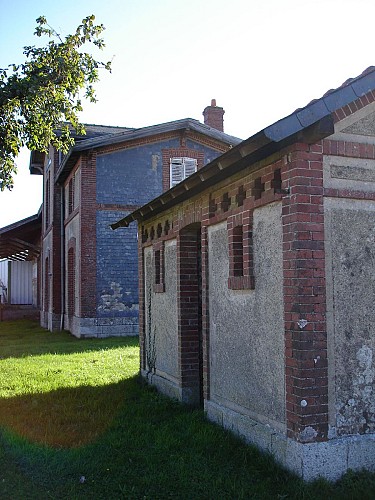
<point x="67" y="417"/>
<point x="23" y="338"/>
<point x="155" y="448"/>
<point x="125" y="441"/>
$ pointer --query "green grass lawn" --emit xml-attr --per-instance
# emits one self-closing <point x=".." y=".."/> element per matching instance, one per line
<point x="76" y="422"/>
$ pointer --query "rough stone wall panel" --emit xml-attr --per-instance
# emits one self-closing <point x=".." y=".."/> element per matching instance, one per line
<point x="247" y="326"/>
<point x="351" y="267"/>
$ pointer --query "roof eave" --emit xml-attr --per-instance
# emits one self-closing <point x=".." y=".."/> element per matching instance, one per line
<point x="154" y="130"/>
<point x="245" y="154"/>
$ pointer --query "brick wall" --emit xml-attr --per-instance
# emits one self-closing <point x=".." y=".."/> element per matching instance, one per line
<point x="305" y="295"/>
<point x="117" y="267"/>
<point x="296" y="178"/>
<point x="88" y="235"/>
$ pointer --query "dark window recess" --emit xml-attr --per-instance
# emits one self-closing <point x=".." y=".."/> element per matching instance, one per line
<point x="71" y="196"/>
<point x="250" y="252"/>
<point x="166" y="227"/>
<point x="237" y="250"/>
<point x="46" y="284"/>
<point x="258" y="188"/>
<point x="225" y="202"/>
<point x="144" y="236"/>
<point x="276" y="181"/>
<point x="47" y="204"/>
<point x="159" y="230"/>
<point x="241" y="258"/>
<point x="157" y="267"/>
<point x="212" y="207"/>
<point x="71" y="282"/>
<point x="240" y="196"/>
<point x="152" y="233"/>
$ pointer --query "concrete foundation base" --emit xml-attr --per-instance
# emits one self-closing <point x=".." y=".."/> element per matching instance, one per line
<point x="171" y="389"/>
<point x="101" y="327"/>
<point x="330" y="459"/>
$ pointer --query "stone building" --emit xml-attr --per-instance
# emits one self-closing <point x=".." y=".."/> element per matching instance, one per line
<point x="257" y="282"/>
<point x="89" y="275"/>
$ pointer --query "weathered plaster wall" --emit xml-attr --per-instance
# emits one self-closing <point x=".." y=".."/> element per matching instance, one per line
<point x="162" y="335"/>
<point x="247" y="326"/>
<point x="350" y="247"/>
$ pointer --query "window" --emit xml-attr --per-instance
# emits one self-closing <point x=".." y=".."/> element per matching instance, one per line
<point x="241" y="257"/>
<point x="237" y="251"/>
<point x="181" y="168"/>
<point x="71" y="281"/>
<point x="159" y="285"/>
<point x="158" y="272"/>
<point x="47" y="202"/>
<point x="71" y="196"/>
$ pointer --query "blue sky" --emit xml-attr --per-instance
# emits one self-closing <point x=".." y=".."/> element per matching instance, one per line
<point x="260" y="60"/>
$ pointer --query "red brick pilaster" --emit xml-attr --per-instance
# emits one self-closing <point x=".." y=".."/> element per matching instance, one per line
<point x="305" y="295"/>
<point x="190" y="314"/>
<point x="88" y="235"/>
<point x="205" y="313"/>
<point x="141" y="295"/>
<point x="56" y="250"/>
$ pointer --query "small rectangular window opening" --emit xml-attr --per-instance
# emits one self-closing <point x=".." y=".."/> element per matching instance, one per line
<point x="237" y="249"/>
<point x="157" y="267"/>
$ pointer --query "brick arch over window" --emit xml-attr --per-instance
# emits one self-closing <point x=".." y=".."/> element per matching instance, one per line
<point x="167" y="154"/>
<point x="71" y="276"/>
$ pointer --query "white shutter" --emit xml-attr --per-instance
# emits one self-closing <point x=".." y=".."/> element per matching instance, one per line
<point x="177" y="171"/>
<point x="190" y="166"/>
<point x="181" y="168"/>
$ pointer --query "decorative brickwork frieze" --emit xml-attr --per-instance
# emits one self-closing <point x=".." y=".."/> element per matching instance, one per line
<point x="304" y="295"/>
<point x="349" y="149"/>
<point x="225" y="202"/>
<point x="240" y="196"/>
<point x="258" y="188"/>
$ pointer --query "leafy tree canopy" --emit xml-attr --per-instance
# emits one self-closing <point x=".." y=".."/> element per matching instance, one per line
<point x="43" y="95"/>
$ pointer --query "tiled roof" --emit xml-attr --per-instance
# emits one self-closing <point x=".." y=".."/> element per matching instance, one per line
<point x="132" y="134"/>
<point x="351" y="90"/>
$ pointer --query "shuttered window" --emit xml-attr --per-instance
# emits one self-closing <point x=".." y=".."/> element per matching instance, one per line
<point x="180" y="168"/>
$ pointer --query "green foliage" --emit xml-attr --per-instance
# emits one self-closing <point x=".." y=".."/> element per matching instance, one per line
<point x="44" y="92"/>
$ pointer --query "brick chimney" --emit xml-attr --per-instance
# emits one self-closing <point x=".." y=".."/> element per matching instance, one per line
<point x="214" y="116"/>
